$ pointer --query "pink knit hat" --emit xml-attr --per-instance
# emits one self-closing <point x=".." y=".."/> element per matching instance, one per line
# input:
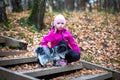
<point x="59" y="19"/>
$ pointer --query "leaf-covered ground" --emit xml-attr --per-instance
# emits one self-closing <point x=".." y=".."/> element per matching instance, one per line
<point x="97" y="34"/>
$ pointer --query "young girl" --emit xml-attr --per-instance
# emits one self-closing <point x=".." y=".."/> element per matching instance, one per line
<point x="58" y="45"/>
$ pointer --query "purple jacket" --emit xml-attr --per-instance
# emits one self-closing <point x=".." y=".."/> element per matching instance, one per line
<point x="55" y="38"/>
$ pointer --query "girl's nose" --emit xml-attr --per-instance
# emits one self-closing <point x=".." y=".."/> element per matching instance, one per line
<point x="61" y="25"/>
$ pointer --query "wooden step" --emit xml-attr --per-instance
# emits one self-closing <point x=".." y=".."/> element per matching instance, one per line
<point x="12" y="53"/>
<point x="49" y="71"/>
<point x="89" y="65"/>
<point x="13" y="43"/>
<point x="17" y="61"/>
<point x="101" y="76"/>
<point x="6" y="74"/>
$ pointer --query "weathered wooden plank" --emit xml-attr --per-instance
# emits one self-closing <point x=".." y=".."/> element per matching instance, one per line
<point x="116" y="74"/>
<point x="6" y="74"/>
<point x="48" y="71"/>
<point x="11" y="53"/>
<point x="101" y="76"/>
<point x="14" y="43"/>
<point x="17" y="61"/>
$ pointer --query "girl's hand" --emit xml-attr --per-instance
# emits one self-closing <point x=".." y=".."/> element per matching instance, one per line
<point x="49" y="44"/>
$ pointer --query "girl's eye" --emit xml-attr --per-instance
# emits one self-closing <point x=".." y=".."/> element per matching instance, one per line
<point x="60" y="23"/>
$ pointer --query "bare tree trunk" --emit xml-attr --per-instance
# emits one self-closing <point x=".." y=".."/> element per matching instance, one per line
<point x="30" y="3"/>
<point x="90" y="7"/>
<point x="16" y="5"/>
<point x="3" y="16"/>
<point x="116" y="5"/>
<point x="111" y="5"/>
<point x="82" y="4"/>
<point x="69" y="4"/>
<point x="24" y="4"/>
<point x="98" y="5"/>
<point x="49" y="5"/>
<point x="37" y="14"/>
<point x="60" y="5"/>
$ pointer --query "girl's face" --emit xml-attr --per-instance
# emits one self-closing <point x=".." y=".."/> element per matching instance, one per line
<point x="60" y="26"/>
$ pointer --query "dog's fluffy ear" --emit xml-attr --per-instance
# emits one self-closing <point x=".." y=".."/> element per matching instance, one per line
<point x="62" y="48"/>
<point x="38" y="49"/>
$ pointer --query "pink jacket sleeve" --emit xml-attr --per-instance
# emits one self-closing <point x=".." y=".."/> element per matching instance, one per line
<point x="72" y="44"/>
<point x="46" y="39"/>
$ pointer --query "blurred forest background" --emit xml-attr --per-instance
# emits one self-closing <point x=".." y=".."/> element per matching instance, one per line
<point x="95" y="25"/>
